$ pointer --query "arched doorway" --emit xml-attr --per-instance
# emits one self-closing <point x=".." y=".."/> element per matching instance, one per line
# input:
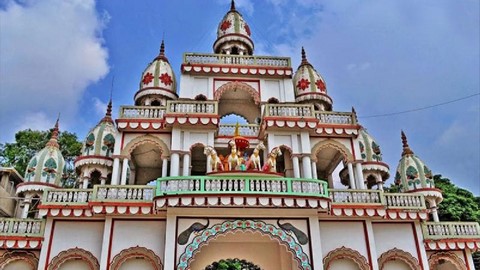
<point x="446" y="261"/>
<point x="199" y="160"/>
<point x="331" y="157"/>
<point x="231" y="94"/>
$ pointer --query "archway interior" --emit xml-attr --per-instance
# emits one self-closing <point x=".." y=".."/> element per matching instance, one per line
<point x="251" y="246"/>
<point x="444" y="265"/>
<point x="396" y="265"/>
<point x="343" y="264"/>
<point x="329" y="166"/>
<point x="137" y="263"/>
<point x="238" y="102"/>
<point x="284" y="162"/>
<point x="146" y="163"/>
<point x="74" y="264"/>
<point x="18" y="264"/>
<point x="198" y="161"/>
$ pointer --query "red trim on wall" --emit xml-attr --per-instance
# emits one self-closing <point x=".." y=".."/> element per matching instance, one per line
<point x="353" y="147"/>
<point x="415" y="236"/>
<point x="49" y="248"/>
<point x="466" y="259"/>
<point x="92" y="156"/>
<point x="123" y="140"/>
<point x="367" y="243"/>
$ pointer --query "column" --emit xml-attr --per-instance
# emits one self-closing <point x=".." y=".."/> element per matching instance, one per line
<point x="296" y="166"/>
<point x="186" y="164"/>
<point x="164" y="167"/>
<point x="116" y="165"/>
<point x="350" y="175"/>
<point x="316" y="240"/>
<point x="170" y="242"/>
<point x="330" y="181"/>
<point x="307" y="167"/>
<point x="85" y="182"/>
<point x="209" y="161"/>
<point x="107" y="228"/>
<point x="359" y="176"/>
<point x="314" y="170"/>
<point x="42" y="260"/>
<point x="174" y="164"/>
<point x="371" y="243"/>
<point x="26" y="207"/>
<point x="423" y="260"/>
<point x="123" y="180"/>
<point x="379" y="182"/>
<point x="433" y="208"/>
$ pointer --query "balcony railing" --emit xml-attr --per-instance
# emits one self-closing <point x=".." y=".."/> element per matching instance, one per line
<point x="445" y="230"/>
<point x="142" y="112"/>
<point x="244" y="130"/>
<point x="336" y="118"/>
<point x="192" y="107"/>
<point x="202" y="185"/>
<point x="352" y="196"/>
<point x="228" y="59"/>
<point x="123" y="193"/>
<point x="22" y="227"/>
<point x="404" y="201"/>
<point x="67" y="196"/>
<point x="288" y="110"/>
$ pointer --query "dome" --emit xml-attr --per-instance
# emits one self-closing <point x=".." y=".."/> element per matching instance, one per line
<point x="233" y="34"/>
<point x="413" y="175"/>
<point x="158" y="82"/>
<point x="371" y="156"/>
<point x="310" y="87"/>
<point x="99" y="144"/>
<point x="47" y="165"/>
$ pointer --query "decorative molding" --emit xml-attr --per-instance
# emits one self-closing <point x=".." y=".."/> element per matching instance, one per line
<point x="345" y="253"/>
<point x="74" y="254"/>
<point x="447" y="256"/>
<point x="238" y="86"/>
<point x="329" y="143"/>
<point x="133" y="253"/>
<point x="400" y="255"/>
<point x="128" y="149"/>
<point x="19" y="255"/>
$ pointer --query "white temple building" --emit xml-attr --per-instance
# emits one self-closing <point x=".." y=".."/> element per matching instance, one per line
<point x="171" y="185"/>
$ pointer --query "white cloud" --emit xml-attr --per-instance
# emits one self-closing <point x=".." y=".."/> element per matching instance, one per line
<point x="35" y="121"/>
<point x="51" y="51"/>
<point x="100" y="107"/>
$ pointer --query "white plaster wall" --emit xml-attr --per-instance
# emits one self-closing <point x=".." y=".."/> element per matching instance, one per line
<point x="343" y="265"/>
<point x="18" y="265"/>
<point x="193" y="137"/>
<point x="200" y="86"/>
<point x="87" y="235"/>
<point x="350" y="234"/>
<point x="396" y="265"/>
<point x="143" y="233"/>
<point x="272" y="88"/>
<point x="387" y="237"/>
<point x="136" y="264"/>
<point x="74" y="265"/>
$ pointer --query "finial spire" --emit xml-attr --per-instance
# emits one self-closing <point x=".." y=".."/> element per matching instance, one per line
<point x="304" y="57"/>
<point x="232" y="5"/>
<point x="54" y="139"/>
<point x="162" y="48"/>
<point x="406" y="148"/>
<point x="237" y="130"/>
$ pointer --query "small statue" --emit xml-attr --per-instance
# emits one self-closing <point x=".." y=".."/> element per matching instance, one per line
<point x="254" y="161"/>
<point x="271" y="163"/>
<point x="233" y="159"/>
<point x="215" y="162"/>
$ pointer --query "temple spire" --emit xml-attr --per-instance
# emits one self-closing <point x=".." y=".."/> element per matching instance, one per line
<point x="232" y="6"/>
<point x="304" y="58"/>
<point x="54" y="139"/>
<point x="162" y="52"/>
<point x="406" y="148"/>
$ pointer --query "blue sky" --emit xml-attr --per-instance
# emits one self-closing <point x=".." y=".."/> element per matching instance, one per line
<point x="379" y="56"/>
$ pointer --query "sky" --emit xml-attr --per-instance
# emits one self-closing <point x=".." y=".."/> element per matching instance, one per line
<point x="381" y="57"/>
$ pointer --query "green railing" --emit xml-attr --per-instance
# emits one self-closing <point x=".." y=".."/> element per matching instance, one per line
<point x="230" y="59"/>
<point x="67" y="196"/>
<point x="130" y="193"/>
<point x="241" y="185"/>
<point x="445" y="230"/>
<point x="22" y="227"/>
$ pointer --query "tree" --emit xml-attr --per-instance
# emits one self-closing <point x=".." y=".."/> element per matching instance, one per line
<point x="28" y="142"/>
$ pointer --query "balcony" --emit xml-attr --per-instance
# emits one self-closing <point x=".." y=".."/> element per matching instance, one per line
<point x="289" y="110"/>
<point x="247" y="130"/>
<point x="335" y="118"/>
<point x="142" y="112"/>
<point x="450" y="230"/>
<point x="192" y="107"/>
<point x="241" y="60"/>
<point x="22" y="227"/>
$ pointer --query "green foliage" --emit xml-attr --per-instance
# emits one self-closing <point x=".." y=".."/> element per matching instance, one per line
<point x="458" y="204"/>
<point x="232" y="264"/>
<point x="28" y="142"/>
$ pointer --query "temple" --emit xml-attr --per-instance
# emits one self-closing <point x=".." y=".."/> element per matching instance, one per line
<point x="175" y="183"/>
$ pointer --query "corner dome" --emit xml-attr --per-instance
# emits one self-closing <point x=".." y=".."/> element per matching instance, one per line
<point x="233" y="35"/>
<point x="47" y="165"/>
<point x="99" y="144"/>
<point x="310" y="87"/>
<point x="371" y="155"/>
<point x="414" y="176"/>
<point x="157" y="83"/>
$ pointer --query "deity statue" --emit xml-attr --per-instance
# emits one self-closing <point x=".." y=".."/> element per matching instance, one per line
<point x="233" y="158"/>
<point x="271" y="163"/>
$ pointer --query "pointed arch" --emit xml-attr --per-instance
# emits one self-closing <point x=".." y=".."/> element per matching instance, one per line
<point x="345" y="253"/>
<point x="447" y="256"/>
<point x="259" y="226"/>
<point x="128" y="149"/>
<point x="239" y="86"/>
<point x="400" y="255"/>
<point x="136" y="252"/>
<point x="13" y="256"/>
<point x="74" y="254"/>
<point x="329" y="143"/>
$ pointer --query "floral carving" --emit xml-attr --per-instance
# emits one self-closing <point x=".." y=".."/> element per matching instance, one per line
<point x="166" y="79"/>
<point x="321" y="85"/>
<point x="225" y="25"/>
<point x="303" y="84"/>
<point x="147" y="78"/>
<point x="89" y="142"/>
<point x="49" y="169"/>
<point x="108" y="144"/>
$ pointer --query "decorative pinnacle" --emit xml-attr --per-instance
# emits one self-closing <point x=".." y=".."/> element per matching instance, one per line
<point x="406" y="148"/>
<point x="232" y="5"/>
<point x="304" y="58"/>
<point x="237" y="131"/>
<point x="162" y="48"/>
<point x="108" y="114"/>
<point x="54" y="139"/>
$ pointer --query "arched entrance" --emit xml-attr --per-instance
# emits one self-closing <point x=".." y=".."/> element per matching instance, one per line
<point x="249" y="239"/>
<point x="231" y="94"/>
<point x="446" y="261"/>
<point x="328" y="155"/>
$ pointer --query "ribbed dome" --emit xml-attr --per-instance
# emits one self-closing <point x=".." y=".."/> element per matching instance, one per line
<point x="158" y="81"/>
<point x="309" y="86"/>
<point x="412" y="174"/>
<point x="48" y="164"/>
<point x="233" y="34"/>
<point x="372" y="158"/>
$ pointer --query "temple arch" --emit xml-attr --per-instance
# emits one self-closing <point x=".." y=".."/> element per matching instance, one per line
<point x="397" y="255"/>
<point x="136" y="253"/>
<point x="79" y="255"/>
<point x="345" y="253"/>
<point x="18" y="260"/>
<point x="451" y="258"/>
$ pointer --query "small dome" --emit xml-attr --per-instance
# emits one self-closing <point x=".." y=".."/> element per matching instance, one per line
<point x="310" y="87"/>
<point x="371" y="156"/>
<point x="414" y="176"/>
<point x="233" y="34"/>
<point x="158" y="82"/>
<point x="48" y="164"/>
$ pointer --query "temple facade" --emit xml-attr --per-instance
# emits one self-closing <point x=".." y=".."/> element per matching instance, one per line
<point x="173" y="183"/>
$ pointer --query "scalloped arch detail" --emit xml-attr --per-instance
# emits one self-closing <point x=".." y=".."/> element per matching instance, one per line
<point x="447" y="256"/>
<point x="128" y="149"/>
<point x="135" y="252"/>
<point x="13" y="256"/>
<point x="74" y="254"/>
<point x="329" y="143"/>
<point x="345" y="253"/>
<point x="239" y="86"/>
<point x="398" y="254"/>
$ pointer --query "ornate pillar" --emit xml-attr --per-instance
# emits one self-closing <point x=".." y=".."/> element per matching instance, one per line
<point x="359" y="176"/>
<point x="186" y="164"/>
<point x="26" y="207"/>
<point x="296" y="166"/>
<point x="164" y="167"/>
<point x="307" y="167"/>
<point x="86" y="180"/>
<point x="314" y="170"/>
<point x="175" y="164"/>
<point x="116" y="167"/>
<point x="330" y="181"/>
<point x="123" y="180"/>
<point x="209" y="161"/>
<point x="350" y="176"/>
<point x="433" y="209"/>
